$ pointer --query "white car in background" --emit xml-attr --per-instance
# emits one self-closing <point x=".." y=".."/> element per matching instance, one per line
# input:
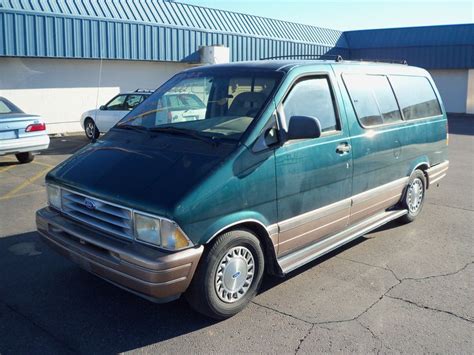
<point x="97" y="121"/>
<point x="21" y="133"/>
<point x="175" y="107"/>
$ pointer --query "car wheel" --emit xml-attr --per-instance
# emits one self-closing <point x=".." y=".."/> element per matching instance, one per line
<point x="24" y="158"/>
<point x="91" y="129"/>
<point x="228" y="276"/>
<point x="414" y="196"/>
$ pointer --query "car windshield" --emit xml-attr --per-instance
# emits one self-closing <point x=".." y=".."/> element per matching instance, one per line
<point x="6" y="107"/>
<point x="218" y="104"/>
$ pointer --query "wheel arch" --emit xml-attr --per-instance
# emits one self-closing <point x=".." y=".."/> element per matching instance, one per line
<point x="423" y="165"/>
<point x="262" y="233"/>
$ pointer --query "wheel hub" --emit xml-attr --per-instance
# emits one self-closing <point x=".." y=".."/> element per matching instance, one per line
<point x="415" y="195"/>
<point x="234" y="274"/>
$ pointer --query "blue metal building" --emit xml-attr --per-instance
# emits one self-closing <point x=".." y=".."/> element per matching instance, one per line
<point x="430" y="47"/>
<point x="150" y="30"/>
<point x="77" y="46"/>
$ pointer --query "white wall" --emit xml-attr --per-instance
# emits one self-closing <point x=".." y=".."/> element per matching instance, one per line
<point x="60" y="90"/>
<point x="452" y="85"/>
<point x="470" y="92"/>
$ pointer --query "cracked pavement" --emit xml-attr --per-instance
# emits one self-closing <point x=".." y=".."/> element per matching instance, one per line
<point x="400" y="289"/>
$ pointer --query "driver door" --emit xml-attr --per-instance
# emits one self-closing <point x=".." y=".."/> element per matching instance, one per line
<point x="313" y="176"/>
<point x="111" y="113"/>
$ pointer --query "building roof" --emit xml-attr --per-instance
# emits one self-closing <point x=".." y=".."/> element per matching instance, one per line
<point x="432" y="47"/>
<point x="159" y="30"/>
<point x="412" y="36"/>
<point x="171" y="13"/>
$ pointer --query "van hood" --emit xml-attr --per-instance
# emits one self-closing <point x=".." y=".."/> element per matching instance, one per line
<point x="151" y="173"/>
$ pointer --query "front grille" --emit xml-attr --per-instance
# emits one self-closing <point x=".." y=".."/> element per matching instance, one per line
<point x="98" y="214"/>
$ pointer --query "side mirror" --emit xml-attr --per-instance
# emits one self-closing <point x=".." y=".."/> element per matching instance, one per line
<point x="271" y="137"/>
<point x="102" y="108"/>
<point x="303" y="127"/>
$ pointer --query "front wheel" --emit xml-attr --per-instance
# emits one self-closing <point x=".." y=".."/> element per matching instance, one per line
<point x="91" y="129"/>
<point x="229" y="275"/>
<point x="414" y="196"/>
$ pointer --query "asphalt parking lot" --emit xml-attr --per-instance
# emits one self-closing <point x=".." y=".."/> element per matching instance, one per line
<point x="403" y="288"/>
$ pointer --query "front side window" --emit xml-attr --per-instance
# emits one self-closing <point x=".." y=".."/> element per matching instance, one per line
<point x="373" y="99"/>
<point x="221" y="104"/>
<point x="117" y="103"/>
<point x="312" y="97"/>
<point x="416" y="96"/>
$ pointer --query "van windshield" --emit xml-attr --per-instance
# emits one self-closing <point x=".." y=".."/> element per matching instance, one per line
<point x="218" y="105"/>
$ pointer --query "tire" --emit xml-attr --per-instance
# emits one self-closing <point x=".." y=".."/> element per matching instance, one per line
<point x="90" y="129"/>
<point x="24" y="158"/>
<point x="414" y="197"/>
<point x="227" y="265"/>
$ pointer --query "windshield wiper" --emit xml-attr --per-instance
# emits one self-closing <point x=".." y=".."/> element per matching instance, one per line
<point x="184" y="132"/>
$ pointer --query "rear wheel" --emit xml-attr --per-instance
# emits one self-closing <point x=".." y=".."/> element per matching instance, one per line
<point x="229" y="275"/>
<point x="414" y="196"/>
<point x="24" y="158"/>
<point x="91" y="129"/>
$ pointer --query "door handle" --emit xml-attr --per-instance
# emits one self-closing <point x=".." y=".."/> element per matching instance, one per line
<point x="343" y="148"/>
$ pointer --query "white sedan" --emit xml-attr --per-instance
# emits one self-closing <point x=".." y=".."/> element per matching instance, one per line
<point x="175" y="107"/>
<point x="20" y="133"/>
<point x="97" y="121"/>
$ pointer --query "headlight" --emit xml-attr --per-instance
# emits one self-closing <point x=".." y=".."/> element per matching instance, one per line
<point x="160" y="232"/>
<point x="54" y="196"/>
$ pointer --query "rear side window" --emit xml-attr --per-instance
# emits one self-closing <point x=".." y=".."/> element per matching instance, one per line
<point x="373" y="99"/>
<point x="416" y="96"/>
<point x="312" y="97"/>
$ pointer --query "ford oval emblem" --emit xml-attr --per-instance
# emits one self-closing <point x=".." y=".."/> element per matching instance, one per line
<point x="89" y="204"/>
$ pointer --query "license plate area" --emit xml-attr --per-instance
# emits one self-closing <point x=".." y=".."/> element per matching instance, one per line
<point x="8" y="134"/>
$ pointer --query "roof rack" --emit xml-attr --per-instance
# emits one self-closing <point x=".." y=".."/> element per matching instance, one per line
<point x="143" y="90"/>
<point x="390" y="61"/>
<point x="337" y="58"/>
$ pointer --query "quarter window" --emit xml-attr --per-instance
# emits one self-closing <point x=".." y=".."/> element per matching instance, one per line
<point x="416" y="96"/>
<point x="373" y="99"/>
<point x="312" y="97"/>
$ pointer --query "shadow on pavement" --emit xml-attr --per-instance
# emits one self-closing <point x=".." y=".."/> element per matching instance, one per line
<point x="65" y="145"/>
<point x="85" y="312"/>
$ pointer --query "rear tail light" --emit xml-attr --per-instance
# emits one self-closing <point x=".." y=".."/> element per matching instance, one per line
<point x="35" y="127"/>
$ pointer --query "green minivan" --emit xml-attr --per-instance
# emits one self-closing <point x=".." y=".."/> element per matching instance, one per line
<point x="287" y="161"/>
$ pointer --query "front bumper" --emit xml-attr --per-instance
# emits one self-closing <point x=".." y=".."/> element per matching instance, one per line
<point x="24" y="144"/>
<point x="150" y="273"/>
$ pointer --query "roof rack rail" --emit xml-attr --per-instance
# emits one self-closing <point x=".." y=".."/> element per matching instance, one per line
<point x="390" y="61"/>
<point x="143" y="90"/>
<point x="337" y="58"/>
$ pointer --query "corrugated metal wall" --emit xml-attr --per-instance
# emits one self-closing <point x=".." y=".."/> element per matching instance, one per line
<point x="183" y="15"/>
<point x="150" y="30"/>
<point x="431" y="47"/>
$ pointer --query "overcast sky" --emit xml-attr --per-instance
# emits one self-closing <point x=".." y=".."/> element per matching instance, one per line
<point x="350" y="15"/>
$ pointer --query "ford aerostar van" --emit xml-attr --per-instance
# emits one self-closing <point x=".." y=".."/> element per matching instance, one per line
<point x="288" y="161"/>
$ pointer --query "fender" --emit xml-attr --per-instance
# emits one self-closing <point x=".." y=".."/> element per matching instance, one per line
<point x="234" y="219"/>
<point x="421" y="161"/>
